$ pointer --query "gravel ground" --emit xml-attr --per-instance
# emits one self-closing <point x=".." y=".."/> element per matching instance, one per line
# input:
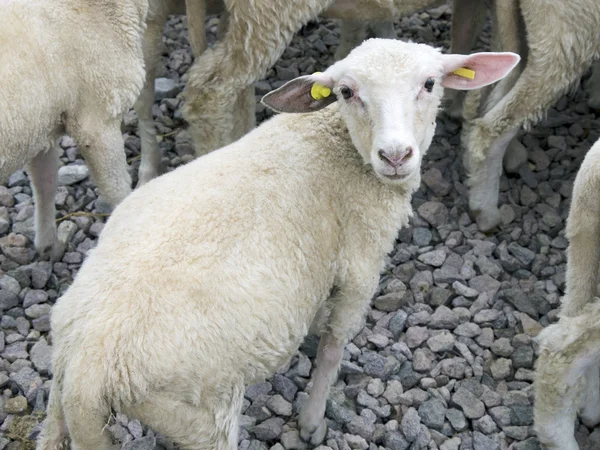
<point x="446" y="358"/>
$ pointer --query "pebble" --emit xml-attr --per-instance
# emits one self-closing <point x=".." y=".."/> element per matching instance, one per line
<point x="71" y="174"/>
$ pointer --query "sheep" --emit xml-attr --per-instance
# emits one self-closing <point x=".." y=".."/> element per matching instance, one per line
<point x="558" y="50"/>
<point x="284" y="228"/>
<point x="352" y="32"/>
<point x="567" y="370"/>
<point x="256" y="36"/>
<point x="67" y="66"/>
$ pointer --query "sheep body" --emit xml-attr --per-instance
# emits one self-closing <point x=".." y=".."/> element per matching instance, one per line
<point x="67" y="66"/>
<point x="568" y="368"/>
<point x="559" y="49"/>
<point x="285" y="228"/>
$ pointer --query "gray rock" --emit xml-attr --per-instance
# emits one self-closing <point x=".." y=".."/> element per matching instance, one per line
<point x="444" y="317"/>
<point x="285" y="387"/>
<point x="397" y="323"/>
<point x="410" y="425"/>
<point x="34" y="296"/>
<point x="269" y="429"/>
<point x="457" y="419"/>
<point x="165" y="88"/>
<point x="393" y="392"/>
<point x="432" y="413"/>
<point x="421" y="237"/>
<point x="361" y="426"/>
<point x="441" y="342"/>
<point x="144" y="443"/>
<point x="435" y="181"/>
<point x="389" y="302"/>
<point x="41" y="356"/>
<point x="394" y="440"/>
<point x="71" y="174"/>
<point x="434" y="258"/>
<point x="433" y="212"/>
<point x="472" y="407"/>
<point x="482" y="442"/>
<point x="280" y="406"/>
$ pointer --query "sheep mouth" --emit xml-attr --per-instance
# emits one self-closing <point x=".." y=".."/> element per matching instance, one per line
<point x="397" y="176"/>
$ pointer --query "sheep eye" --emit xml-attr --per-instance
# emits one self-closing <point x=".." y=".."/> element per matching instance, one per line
<point x="346" y="92"/>
<point x="429" y="84"/>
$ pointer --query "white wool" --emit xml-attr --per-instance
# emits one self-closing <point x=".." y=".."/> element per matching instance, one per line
<point x="208" y="278"/>
<point x="67" y="66"/>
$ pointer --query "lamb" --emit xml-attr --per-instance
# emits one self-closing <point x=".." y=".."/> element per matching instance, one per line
<point x="352" y="32"/>
<point x="559" y="49"/>
<point x="568" y="368"/>
<point x="67" y="66"/>
<point x="285" y="228"/>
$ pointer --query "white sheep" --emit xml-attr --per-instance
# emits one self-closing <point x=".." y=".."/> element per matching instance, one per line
<point x="568" y="368"/>
<point x="256" y="37"/>
<point x="559" y="48"/>
<point x="352" y="33"/>
<point x="74" y="67"/>
<point x="189" y="298"/>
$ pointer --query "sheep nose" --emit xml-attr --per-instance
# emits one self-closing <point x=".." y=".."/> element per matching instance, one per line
<point x="395" y="157"/>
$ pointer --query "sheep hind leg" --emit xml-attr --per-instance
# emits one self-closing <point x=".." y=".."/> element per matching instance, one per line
<point x="566" y="373"/>
<point x="593" y="86"/>
<point x="312" y="422"/>
<point x="43" y="171"/>
<point x="212" y="426"/>
<point x="103" y="151"/>
<point x="54" y="435"/>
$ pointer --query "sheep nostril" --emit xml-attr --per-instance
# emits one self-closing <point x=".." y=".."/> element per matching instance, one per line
<point x="382" y="156"/>
<point x="408" y="154"/>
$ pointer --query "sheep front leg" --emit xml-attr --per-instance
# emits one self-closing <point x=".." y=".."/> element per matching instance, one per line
<point x="43" y="171"/>
<point x="468" y="18"/>
<point x="312" y="418"/>
<point x="346" y="316"/>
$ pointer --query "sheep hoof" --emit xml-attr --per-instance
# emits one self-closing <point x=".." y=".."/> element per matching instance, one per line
<point x="312" y="434"/>
<point x="488" y="220"/>
<point x="594" y="102"/>
<point x="53" y="252"/>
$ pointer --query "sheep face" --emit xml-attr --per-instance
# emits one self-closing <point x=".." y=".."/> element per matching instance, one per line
<point x="388" y="93"/>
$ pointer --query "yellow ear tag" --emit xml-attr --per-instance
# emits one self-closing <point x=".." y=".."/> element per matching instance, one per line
<point x="465" y="73"/>
<point x="318" y="91"/>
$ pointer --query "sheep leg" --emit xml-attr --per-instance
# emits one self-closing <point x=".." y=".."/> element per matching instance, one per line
<point x="103" y="152"/>
<point x="590" y="411"/>
<point x="583" y="232"/>
<point x="594" y="86"/>
<point x="566" y="372"/>
<point x="196" y="13"/>
<point x="54" y="434"/>
<point x="312" y="417"/>
<point x="212" y="425"/>
<point x="151" y="154"/>
<point x="468" y="18"/>
<point x="352" y="33"/>
<point x="43" y="171"/>
<point x="487" y="137"/>
<point x="244" y="115"/>
<point x="255" y="39"/>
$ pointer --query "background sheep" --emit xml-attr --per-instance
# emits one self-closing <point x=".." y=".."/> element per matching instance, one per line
<point x="568" y="369"/>
<point x="557" y="51"/>
<point x="257" y="35"/>
<point x="310" y="203"/>
<point x="71" y="80"/>
<point x="352" y="33"/>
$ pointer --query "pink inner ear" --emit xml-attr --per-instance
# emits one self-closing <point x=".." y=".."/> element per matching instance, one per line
<point x="489" y="68"/>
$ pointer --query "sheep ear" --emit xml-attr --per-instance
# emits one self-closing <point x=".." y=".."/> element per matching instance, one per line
<point x="467" y="72"/>
<point x="302" y="95"/>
